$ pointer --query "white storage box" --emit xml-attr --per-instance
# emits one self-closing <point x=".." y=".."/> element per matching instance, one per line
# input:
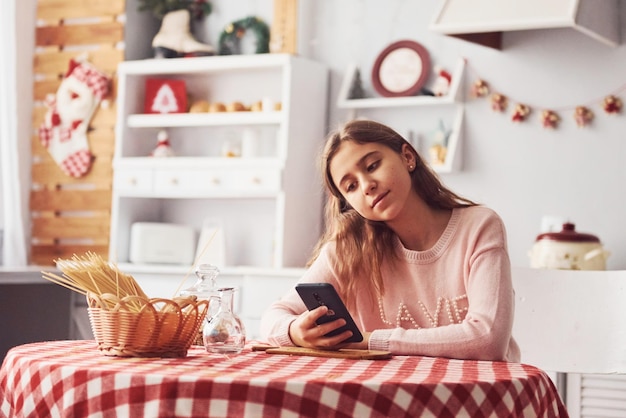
<point x="161" y="243"/>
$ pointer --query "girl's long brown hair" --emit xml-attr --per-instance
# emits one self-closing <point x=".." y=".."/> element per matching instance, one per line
<point x="361" y="244"/>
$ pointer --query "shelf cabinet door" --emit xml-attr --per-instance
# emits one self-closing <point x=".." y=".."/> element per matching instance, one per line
<point x="219" y="182"/>
<point x="255" y="181"/>
<point x="133" y="181"/>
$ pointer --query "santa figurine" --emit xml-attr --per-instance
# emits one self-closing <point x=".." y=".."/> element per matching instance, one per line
<point x="163" y="148"/>
<point x="442" y="82"/>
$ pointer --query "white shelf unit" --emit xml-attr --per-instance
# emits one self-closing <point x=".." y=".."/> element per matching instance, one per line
<point x="453" y="100"/>
<point x="268" y="202"/>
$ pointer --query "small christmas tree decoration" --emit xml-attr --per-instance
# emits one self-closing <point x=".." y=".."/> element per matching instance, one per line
<point x="583" y="116"/>
<point x="480" y="88"/>
<point x="356" y="88"/>
<point x="612" y="104"/>
<point x="549" y="119"/>
<point x="165" y="96"/>
<point x="520" y="113"/>
<point x="499" y="102"/>
<point x="64" y="130"/>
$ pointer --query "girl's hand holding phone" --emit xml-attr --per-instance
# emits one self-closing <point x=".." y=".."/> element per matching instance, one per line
<point x="305" y="332"/>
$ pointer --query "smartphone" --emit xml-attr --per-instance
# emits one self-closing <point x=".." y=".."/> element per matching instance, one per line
<point x="317" y="294"/>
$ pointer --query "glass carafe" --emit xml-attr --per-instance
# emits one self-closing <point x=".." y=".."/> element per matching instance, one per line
<point x="224" y="332"/>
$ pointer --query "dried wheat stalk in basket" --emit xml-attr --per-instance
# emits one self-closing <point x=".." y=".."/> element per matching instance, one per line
<point x="91" y="274"/>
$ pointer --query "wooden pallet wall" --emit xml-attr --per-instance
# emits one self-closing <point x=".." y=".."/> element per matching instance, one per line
<point x="72" y="215"/>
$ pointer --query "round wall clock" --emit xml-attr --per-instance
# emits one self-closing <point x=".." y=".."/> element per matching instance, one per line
<point x="401" y="69"/>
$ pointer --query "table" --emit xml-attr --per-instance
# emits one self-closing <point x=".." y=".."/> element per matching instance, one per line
<point x="72" y="378"/>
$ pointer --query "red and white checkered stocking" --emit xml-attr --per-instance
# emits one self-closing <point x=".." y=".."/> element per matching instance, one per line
<point x="64" y="131"/>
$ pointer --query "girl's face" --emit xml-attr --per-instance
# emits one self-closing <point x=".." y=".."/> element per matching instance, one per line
<point x="373" y="178"/>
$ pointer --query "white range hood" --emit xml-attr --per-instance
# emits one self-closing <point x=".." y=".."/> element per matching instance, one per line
<point x="484" y="21"/>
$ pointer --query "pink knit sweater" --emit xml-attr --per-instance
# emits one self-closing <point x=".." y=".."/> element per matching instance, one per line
<point x="454" y="300"/>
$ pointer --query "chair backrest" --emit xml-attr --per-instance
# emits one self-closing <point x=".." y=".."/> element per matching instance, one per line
<point x="571" y="321"/>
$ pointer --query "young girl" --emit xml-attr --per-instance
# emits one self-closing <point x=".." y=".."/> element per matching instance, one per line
<point x="422" y="270"/>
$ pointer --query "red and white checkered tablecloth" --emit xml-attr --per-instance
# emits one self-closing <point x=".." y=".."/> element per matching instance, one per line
<point x="72" y="379"/>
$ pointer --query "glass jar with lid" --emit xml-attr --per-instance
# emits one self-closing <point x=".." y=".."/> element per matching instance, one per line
<point x="205" y="288"/>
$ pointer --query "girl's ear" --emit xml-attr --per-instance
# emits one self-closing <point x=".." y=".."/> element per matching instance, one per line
<point x="408" y="156"/>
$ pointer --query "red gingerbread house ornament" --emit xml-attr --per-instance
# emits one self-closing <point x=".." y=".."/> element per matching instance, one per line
<point x="165" y="96"/>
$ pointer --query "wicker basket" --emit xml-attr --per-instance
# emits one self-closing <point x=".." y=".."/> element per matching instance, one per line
<point x="138" y="327"/>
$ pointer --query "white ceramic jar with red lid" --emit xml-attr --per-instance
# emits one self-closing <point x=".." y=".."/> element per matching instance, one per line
<point x="568" y="250"/>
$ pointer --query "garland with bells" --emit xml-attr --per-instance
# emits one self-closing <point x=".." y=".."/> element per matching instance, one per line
<point x="583" y="115"/>
<point x="229" y="42"/>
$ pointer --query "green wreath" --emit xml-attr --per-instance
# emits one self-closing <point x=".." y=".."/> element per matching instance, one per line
<point x="233" y="32"/>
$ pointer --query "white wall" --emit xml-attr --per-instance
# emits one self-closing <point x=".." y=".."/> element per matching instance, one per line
<point x="522" y="170"/>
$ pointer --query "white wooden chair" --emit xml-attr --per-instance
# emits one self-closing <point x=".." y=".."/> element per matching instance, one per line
<point x="573" y="323"/>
